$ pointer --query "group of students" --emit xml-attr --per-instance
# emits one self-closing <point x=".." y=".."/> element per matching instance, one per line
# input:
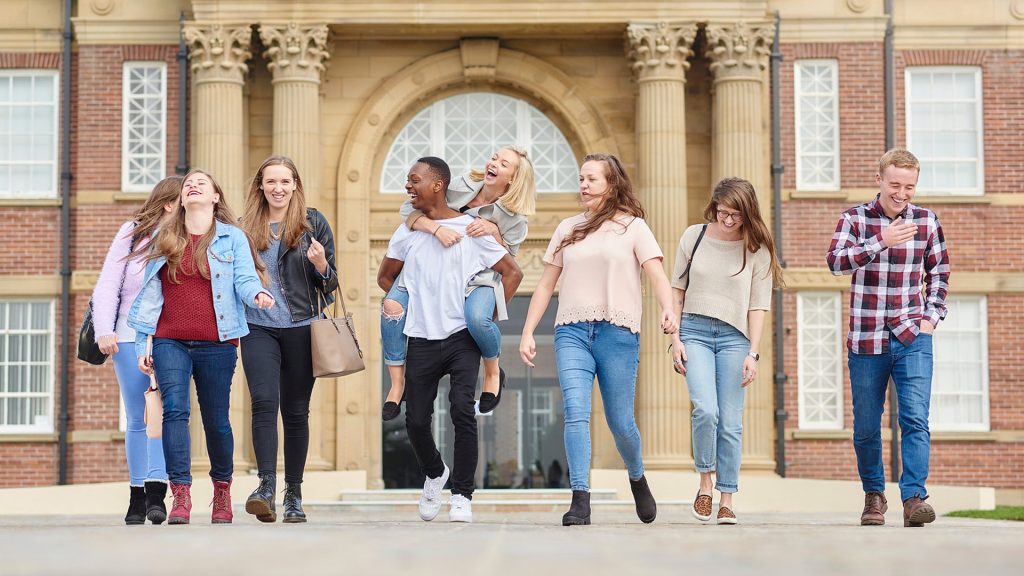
<point x="197" y="281"/>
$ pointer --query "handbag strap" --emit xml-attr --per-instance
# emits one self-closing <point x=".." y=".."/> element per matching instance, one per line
<point x="149" y="352"/>
<point x="689" y="263"/>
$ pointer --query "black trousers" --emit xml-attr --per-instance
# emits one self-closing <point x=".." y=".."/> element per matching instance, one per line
<point x="278" y="364"/>
<point x="428" y="361"/>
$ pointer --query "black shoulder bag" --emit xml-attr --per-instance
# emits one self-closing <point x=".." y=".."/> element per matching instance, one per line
<point x="690" y="261"/>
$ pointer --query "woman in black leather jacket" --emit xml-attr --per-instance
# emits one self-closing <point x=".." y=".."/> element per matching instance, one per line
<point x="297" y="245"/>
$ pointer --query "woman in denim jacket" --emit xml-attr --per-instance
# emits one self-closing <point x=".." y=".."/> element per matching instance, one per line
<point x="202" y="272"/>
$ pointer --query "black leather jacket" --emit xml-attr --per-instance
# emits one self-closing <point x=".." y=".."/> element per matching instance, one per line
<point x="303" y="286"/>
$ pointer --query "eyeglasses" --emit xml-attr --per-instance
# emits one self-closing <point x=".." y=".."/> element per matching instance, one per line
<point x="726" y="215"/>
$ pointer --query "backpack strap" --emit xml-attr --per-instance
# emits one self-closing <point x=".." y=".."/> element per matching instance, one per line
<point x="689" y="263"/>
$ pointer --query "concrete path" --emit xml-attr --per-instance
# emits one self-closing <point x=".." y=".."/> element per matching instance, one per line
<point x="528" y="544"/>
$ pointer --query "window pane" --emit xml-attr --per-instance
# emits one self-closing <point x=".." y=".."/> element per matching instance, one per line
<point x="942" y="109"/>
<point x="817" y="125"/>
<point x="21" y="89"/>
<point x="960" y="378"/>
<point x="26" y="365"/>
<point x="819" y="371"/>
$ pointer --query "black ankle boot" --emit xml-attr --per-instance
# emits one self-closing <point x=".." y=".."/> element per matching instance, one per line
<point x="293" y="503"/>
<point x="579" y="510"/>
<point x="646" y="507"/>
<point x="156" y="511"/>
<point x="136" y="506"/>
<point x="261" y="502"/>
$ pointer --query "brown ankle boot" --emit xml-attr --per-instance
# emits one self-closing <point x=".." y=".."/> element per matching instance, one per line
<point x="917" y="512"/>
<point x="874" y="509"/>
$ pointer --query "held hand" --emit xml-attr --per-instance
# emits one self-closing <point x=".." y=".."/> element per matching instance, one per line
<point x="749" y="371"/>
<point x="668" y="322"/>
<point x="317" y="255"/>
<point x="678" y="356"/>
<point x="481" y="227"/>
<point x="447" y="236"/>
<point x="264" y="301"/>
<point x="898" y="232"/>
<point x="528" y="349"/>
<point x="926" y="328"/>
<point x="146" y="365"/>
<point x="107" y="344"/>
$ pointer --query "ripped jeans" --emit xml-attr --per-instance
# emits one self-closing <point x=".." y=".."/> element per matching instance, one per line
<point x="479" y="311"/>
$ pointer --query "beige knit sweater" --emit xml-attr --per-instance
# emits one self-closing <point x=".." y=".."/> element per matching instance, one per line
<point x="715" y="288"/>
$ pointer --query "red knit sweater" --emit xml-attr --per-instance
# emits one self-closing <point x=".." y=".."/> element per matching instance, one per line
<point x="188" y="312"/>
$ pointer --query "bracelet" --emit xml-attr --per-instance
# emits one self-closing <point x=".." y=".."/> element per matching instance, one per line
<point x="434" y="233"/>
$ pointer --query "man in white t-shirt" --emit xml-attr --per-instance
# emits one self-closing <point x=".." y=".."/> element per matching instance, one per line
<point x="439" y="342"/>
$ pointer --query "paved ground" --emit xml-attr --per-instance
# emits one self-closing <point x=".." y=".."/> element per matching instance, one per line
<point x="529" y="544"/>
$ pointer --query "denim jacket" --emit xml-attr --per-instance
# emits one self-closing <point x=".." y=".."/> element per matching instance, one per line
<point x="231" y="269"/>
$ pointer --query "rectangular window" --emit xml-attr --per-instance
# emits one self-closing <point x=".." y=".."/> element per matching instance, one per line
<point x="960" y="399"/>
<point x="144" y="125"/>
<point x="816" y="104"/>
<point x="26" y="366"/>
<point x="820" y="360"/>
<point x="944" y="128"/>
<point x="28" y="133"/>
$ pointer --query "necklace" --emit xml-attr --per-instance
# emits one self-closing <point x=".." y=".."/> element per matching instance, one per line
<point x="273" y="233"/>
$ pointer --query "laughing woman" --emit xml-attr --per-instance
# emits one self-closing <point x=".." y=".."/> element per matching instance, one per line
<point x="499" y="197"/>
<point x="202" y="273"/>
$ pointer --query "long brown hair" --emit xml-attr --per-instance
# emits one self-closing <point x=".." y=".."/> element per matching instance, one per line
<point x="738" y="194"/>
<point x="256" y="218"/>
<point x="618" y="198"/>
<point x="148" y="217"/>
<point x="172" y="237"/>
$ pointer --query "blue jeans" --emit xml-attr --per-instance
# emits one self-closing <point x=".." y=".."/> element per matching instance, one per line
<point x="911" y="370"/>
<point x="212" y="364"/>
<point x="715" y="352"/>
<point x="584" y="350"/>
<point x="479" y="311"/>
<point x="145" y="455"/>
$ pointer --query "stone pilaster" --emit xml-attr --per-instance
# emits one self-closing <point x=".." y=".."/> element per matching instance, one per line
<point x="659" y="55"/>
<point x="298" y="55"/>
<point x="739" y="53"/>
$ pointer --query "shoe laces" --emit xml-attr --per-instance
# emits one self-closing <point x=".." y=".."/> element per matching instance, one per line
<point x="432" y="489"/>
<point x="459" y="502"/>
<point x="221" y="498"/>
<point x="182" y="498"/>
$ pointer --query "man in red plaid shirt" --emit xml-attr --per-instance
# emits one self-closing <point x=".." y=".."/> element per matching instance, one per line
<point x="890" y="246"/>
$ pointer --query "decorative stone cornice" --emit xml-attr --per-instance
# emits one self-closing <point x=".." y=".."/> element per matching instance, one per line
<point x="739" y="49"/>
<point x="218" y="52"/>
<point x="296" y="52"/>
<point x="660" y="50"/>
<point x="479" y="57"/>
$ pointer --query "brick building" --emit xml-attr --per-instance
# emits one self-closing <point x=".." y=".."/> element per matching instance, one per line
<point x="680" y="90"/>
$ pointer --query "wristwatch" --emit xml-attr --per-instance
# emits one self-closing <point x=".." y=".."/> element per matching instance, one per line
<point x="755" y="356"/>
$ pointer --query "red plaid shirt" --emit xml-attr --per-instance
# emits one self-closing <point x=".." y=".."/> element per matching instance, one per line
<point x="885" y="294"/>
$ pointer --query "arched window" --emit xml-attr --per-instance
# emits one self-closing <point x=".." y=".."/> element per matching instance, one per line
<point x="466" y="129"/>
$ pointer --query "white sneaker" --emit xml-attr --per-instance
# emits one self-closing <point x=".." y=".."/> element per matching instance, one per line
<point x="461" y="509"/>
<point x="430" y="500"/>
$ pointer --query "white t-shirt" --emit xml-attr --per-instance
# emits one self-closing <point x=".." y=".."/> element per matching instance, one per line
<point x="436" y="276"/>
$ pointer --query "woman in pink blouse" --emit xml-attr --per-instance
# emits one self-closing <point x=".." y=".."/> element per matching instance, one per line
<point x="118" y="285"/>
<point x="598" y="255"/>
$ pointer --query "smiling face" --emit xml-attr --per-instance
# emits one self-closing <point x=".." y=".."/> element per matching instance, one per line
<point x="197" y="191"/>
<point x="729" y="218"/>
<point x="594" y="186"/>
<point x="278" y="185"/>
<point x="501" y="168"/>
<point x="896" y="188"/>
<point x="422" y="186"/>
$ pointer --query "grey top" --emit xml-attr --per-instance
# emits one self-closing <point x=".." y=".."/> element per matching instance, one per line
<point x="277" y="316"/>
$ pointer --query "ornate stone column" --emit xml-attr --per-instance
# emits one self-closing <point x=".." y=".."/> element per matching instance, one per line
<point x="297" y="55"/>
<point x="738" y="53"/>
<point x="218" y="52"/>
<point x="659" y="53"/>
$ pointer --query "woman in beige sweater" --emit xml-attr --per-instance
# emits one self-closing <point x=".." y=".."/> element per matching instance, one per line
<point x="721" y="287"/>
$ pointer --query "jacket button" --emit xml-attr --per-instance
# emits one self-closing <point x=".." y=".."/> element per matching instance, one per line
<point x="217" y="275"/>
<point x="218" y="296"/>
<point x="221" y="316"/>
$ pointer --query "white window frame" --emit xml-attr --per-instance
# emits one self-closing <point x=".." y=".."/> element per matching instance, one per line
<point x="55" y="74"/>
<point x="986" y="423"/>
<point x="834" y="185"/>
<point x="126" y="96"/>
<point x="804" y="423"/>
<point x="51" y="329"/>
<point x="979" y="189"/>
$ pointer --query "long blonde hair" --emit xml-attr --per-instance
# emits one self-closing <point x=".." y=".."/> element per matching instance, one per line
<point x="738" y="194"/>
<point x="256" y="218"/>
<point x="521" y="195"/>
<point x="172" y="238"/>
<point x="148" y="217"/>
<point x="620" y="198"/>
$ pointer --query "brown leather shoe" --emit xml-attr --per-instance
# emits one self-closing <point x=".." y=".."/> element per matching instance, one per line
<point x="874" y="509"/>
<point x="917" y="512"/>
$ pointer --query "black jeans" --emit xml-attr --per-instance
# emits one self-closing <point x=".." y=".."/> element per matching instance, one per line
<point x="428" y="361"/>
<point x="278" y="364"/>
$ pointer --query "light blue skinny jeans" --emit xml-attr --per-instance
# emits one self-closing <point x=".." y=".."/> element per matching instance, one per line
<point x="145" y="455"/>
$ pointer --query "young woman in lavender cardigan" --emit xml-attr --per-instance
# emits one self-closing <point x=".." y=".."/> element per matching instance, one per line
<point x="116" y="289"/>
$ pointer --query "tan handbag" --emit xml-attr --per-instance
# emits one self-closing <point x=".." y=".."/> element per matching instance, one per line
<point x="336" y="350"/>
<point x="154" y="416"/>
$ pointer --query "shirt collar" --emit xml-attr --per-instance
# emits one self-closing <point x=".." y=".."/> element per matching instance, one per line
<point x="876" y="207"/>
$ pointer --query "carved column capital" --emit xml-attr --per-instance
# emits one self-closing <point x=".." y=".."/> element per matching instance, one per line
<point x="296" y="51"/>
<point x="739" y="49"/>
<point x="660" y="49"/>
<point x="218" y="51"/>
